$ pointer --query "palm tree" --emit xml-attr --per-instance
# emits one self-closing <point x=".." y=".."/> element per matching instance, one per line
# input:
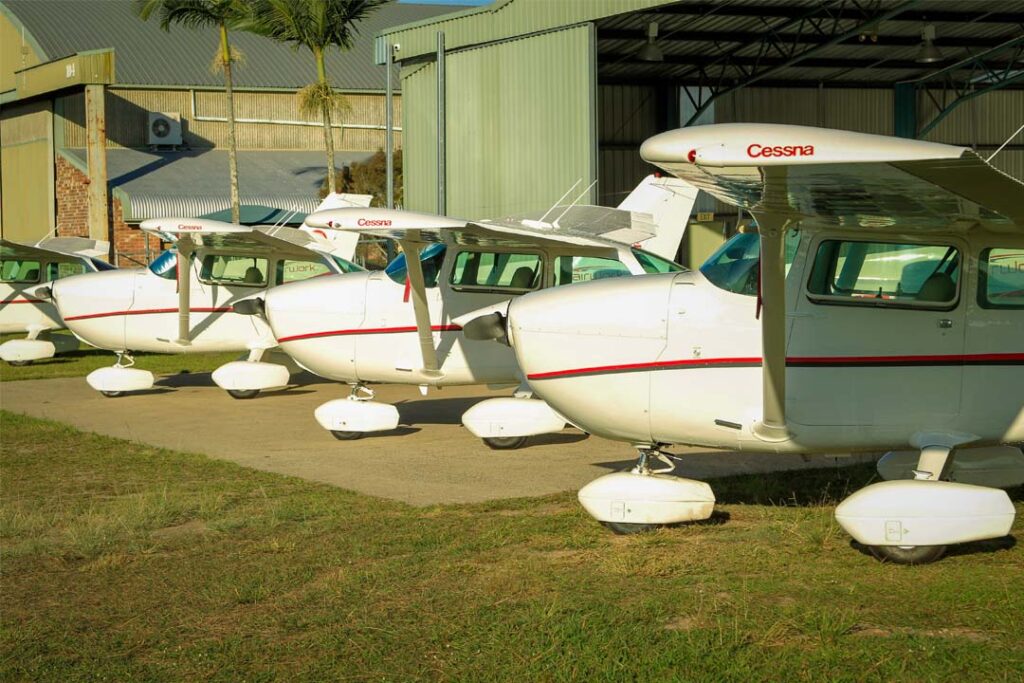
<point x="317" y="25"/>
<point x="223" y="14"/>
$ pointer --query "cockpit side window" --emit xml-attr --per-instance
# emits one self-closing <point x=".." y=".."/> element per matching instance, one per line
<point x="885" y="274"/>
<point x="1002" y="278"/>
<point x="56" y="271"/>
<point x="17" y="270"/>
<point x="570" y="269"/>
<point x="487" y="270"/>
<point x="431" y="259"/>
<point x="736" y="265"/>
<point x="239" y="271"/>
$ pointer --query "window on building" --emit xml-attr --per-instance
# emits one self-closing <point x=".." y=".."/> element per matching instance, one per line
<point x="885" y="274"/>
<point x="16" y="270"/>
<point x="241" y="271"/>
<point x="496" y="270"/>
<point x="1001" y="278"/>
<point x="570" y="269"/>
<point x="431" y="259"/>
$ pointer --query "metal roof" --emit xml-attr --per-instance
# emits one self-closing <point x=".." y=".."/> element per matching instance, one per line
<point x="195" y="183"/>
<point x="147" y="55"/>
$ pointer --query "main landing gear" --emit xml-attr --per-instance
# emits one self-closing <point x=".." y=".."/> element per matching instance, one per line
<point x="245" y="379"/>
<point x="505" y="424"/>
<point x="913" y="521"/>
<point x="647" y="497"/>
<point x="120" y="378"/>
<point x="350" y="418"/>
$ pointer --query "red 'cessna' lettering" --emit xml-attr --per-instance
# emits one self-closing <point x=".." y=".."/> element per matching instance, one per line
<point x="756" y="150"/>
<point x="189" y="227"/>
<point x="373" y="223"/>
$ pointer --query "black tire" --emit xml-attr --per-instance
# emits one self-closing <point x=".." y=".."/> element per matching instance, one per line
<point x="242" y="394"/>
<point x="112" y="394"/>
<point x="346" y="436"/>
<point x="19" y="363"/>
<point x="914" y="554"/>
<point x="505" y="443"/>
<point x="627" y="528"/>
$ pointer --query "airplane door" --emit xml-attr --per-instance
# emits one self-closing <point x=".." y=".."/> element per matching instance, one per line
<point x="877" y="335"/>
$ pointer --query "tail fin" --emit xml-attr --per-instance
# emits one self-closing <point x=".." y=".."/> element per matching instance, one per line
<point x="339" y="242"/>
<point x="669" y="200"/>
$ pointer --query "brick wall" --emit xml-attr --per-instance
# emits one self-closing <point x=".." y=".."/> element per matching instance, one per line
<point x="72" y="200"/>
<point x="73" y="217"/>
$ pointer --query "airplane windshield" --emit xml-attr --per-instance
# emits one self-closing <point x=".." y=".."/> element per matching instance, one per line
<point x="431" y="259"/>
<point x="100" y="265"/>
<point x="735" y="265"/>
<point x="165" y="265"/>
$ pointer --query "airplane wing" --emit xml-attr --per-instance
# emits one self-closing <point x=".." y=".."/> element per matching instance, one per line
<point x="57" y="249"/>
<point x="817" y="178"/>
<point x="341" y="244"/>
<point x="841" y="178"/>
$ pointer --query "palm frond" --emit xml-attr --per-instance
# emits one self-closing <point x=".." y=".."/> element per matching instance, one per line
<point x="315" y="98"/>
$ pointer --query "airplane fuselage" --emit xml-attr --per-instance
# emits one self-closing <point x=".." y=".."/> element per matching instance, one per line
<point x="676" y="359"/>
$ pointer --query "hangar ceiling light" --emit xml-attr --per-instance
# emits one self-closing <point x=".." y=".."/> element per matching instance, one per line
<point x="651" y="52"/>
<point x="928" y="53"/>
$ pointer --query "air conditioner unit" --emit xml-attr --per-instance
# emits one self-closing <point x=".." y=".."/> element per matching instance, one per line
<point x="163" y="129"/>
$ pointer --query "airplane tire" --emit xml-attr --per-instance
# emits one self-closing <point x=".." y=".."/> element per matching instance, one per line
<point x="112" y="394"/>
<point x="242" y="394"/>
<point x="19" y="363"/>
<point x="627" y="528"/>
<point x="346" y="436"/>
<point x="915" y="554"/>
<point x="505" y="443"/>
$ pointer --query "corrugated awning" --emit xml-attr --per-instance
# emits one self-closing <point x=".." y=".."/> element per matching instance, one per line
<point x="195" y="183"/>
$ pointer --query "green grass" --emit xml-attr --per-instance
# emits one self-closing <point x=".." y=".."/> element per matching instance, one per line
<point x="86" y="359"/>
<point x="122" y="561"/>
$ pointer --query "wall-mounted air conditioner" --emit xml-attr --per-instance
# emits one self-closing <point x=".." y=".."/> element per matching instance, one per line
<point x="163" y="129"/>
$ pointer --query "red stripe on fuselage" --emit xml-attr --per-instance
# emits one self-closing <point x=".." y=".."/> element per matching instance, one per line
<point x="148" y="311"/>
<point x="366" y="330"/>
<point x="23" y="301"/>
<point x="794" y="361"/>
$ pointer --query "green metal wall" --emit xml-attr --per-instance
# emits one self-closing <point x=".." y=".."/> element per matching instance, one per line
<point x="520" y="125"/>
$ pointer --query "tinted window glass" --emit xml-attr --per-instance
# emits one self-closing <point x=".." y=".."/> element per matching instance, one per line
<point x="1002" y="278"/>
<point x="496" y="270"/>
<point x="652" y="263"/>
<point x="570" y="269"/>
<point x="245" y="271"/>
<point x="735" y="266"/>
<point x="55" y="271"/>
<point x="19" y="271"/>
<point x="431" y="259"/>
<point x="165" y="265"/>
<point x="886" y="272"/>
<point x="293" y="271"/>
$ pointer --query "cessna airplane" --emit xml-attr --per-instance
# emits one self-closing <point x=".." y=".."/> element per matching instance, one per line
<point x="26" y="270"/>
<point x="402" y="325"/>
<point x="879" y="306"/>
<point x="169" y="309"/>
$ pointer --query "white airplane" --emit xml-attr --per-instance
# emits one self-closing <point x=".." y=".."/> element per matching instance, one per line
<point x="167" y="309"/>
<point x="880" y="306"/>
<point x="26" y="270"/>
<point x="402" y="325"/>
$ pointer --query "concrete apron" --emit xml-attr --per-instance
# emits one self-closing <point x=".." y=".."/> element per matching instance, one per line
<point x="431" y="459"/>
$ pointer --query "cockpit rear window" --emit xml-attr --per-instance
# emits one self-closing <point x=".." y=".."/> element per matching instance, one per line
<point x="1002" y="278"/>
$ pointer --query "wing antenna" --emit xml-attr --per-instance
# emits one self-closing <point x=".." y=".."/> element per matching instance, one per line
<point x="989" y="160"/>
<point x="555" y="205"/>
<point x="561" y="215"/>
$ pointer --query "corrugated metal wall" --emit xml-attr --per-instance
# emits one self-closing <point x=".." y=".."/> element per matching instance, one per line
<point x="127" y="111"/>
<point x="520" y="125"/>
<point x="26" y="158"/>
<point x="627" y="115"/>
<point x="986" y="122"/>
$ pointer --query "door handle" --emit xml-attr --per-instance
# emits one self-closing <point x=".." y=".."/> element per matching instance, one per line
<point x="945" y="324"/>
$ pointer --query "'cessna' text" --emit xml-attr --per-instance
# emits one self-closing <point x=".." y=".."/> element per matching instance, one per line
<point x="373" y="223"/>
<point x="756" y="150"/>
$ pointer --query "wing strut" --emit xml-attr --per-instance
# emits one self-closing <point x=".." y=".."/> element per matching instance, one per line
<point x="185" y="249"/>
<point x="773" y="220"/>
<point x="411" y="245"/>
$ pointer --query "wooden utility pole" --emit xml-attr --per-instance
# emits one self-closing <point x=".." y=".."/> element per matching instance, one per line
<point x="96" y="153"/>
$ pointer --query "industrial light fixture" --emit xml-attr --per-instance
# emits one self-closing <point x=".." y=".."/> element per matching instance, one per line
<point x="928" y="53"/>
<point x="651" y="52"/>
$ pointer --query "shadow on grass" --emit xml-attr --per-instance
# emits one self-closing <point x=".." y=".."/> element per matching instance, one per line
<point x="988" y="546"/>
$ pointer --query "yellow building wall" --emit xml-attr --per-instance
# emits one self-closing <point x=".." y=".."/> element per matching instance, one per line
<point x="14" y="54"/>
<point x="26" y="166"/>
<point x="127" y="110"/>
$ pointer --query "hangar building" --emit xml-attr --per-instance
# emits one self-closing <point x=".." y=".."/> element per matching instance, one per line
<point x="539" y="94"/>
<point x="85" y="85"/>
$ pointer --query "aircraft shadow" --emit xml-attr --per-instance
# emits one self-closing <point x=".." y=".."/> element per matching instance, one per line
<point x="205" y="379"/>
<point x="445" y="411"/>
<point x="988" y="546"/>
